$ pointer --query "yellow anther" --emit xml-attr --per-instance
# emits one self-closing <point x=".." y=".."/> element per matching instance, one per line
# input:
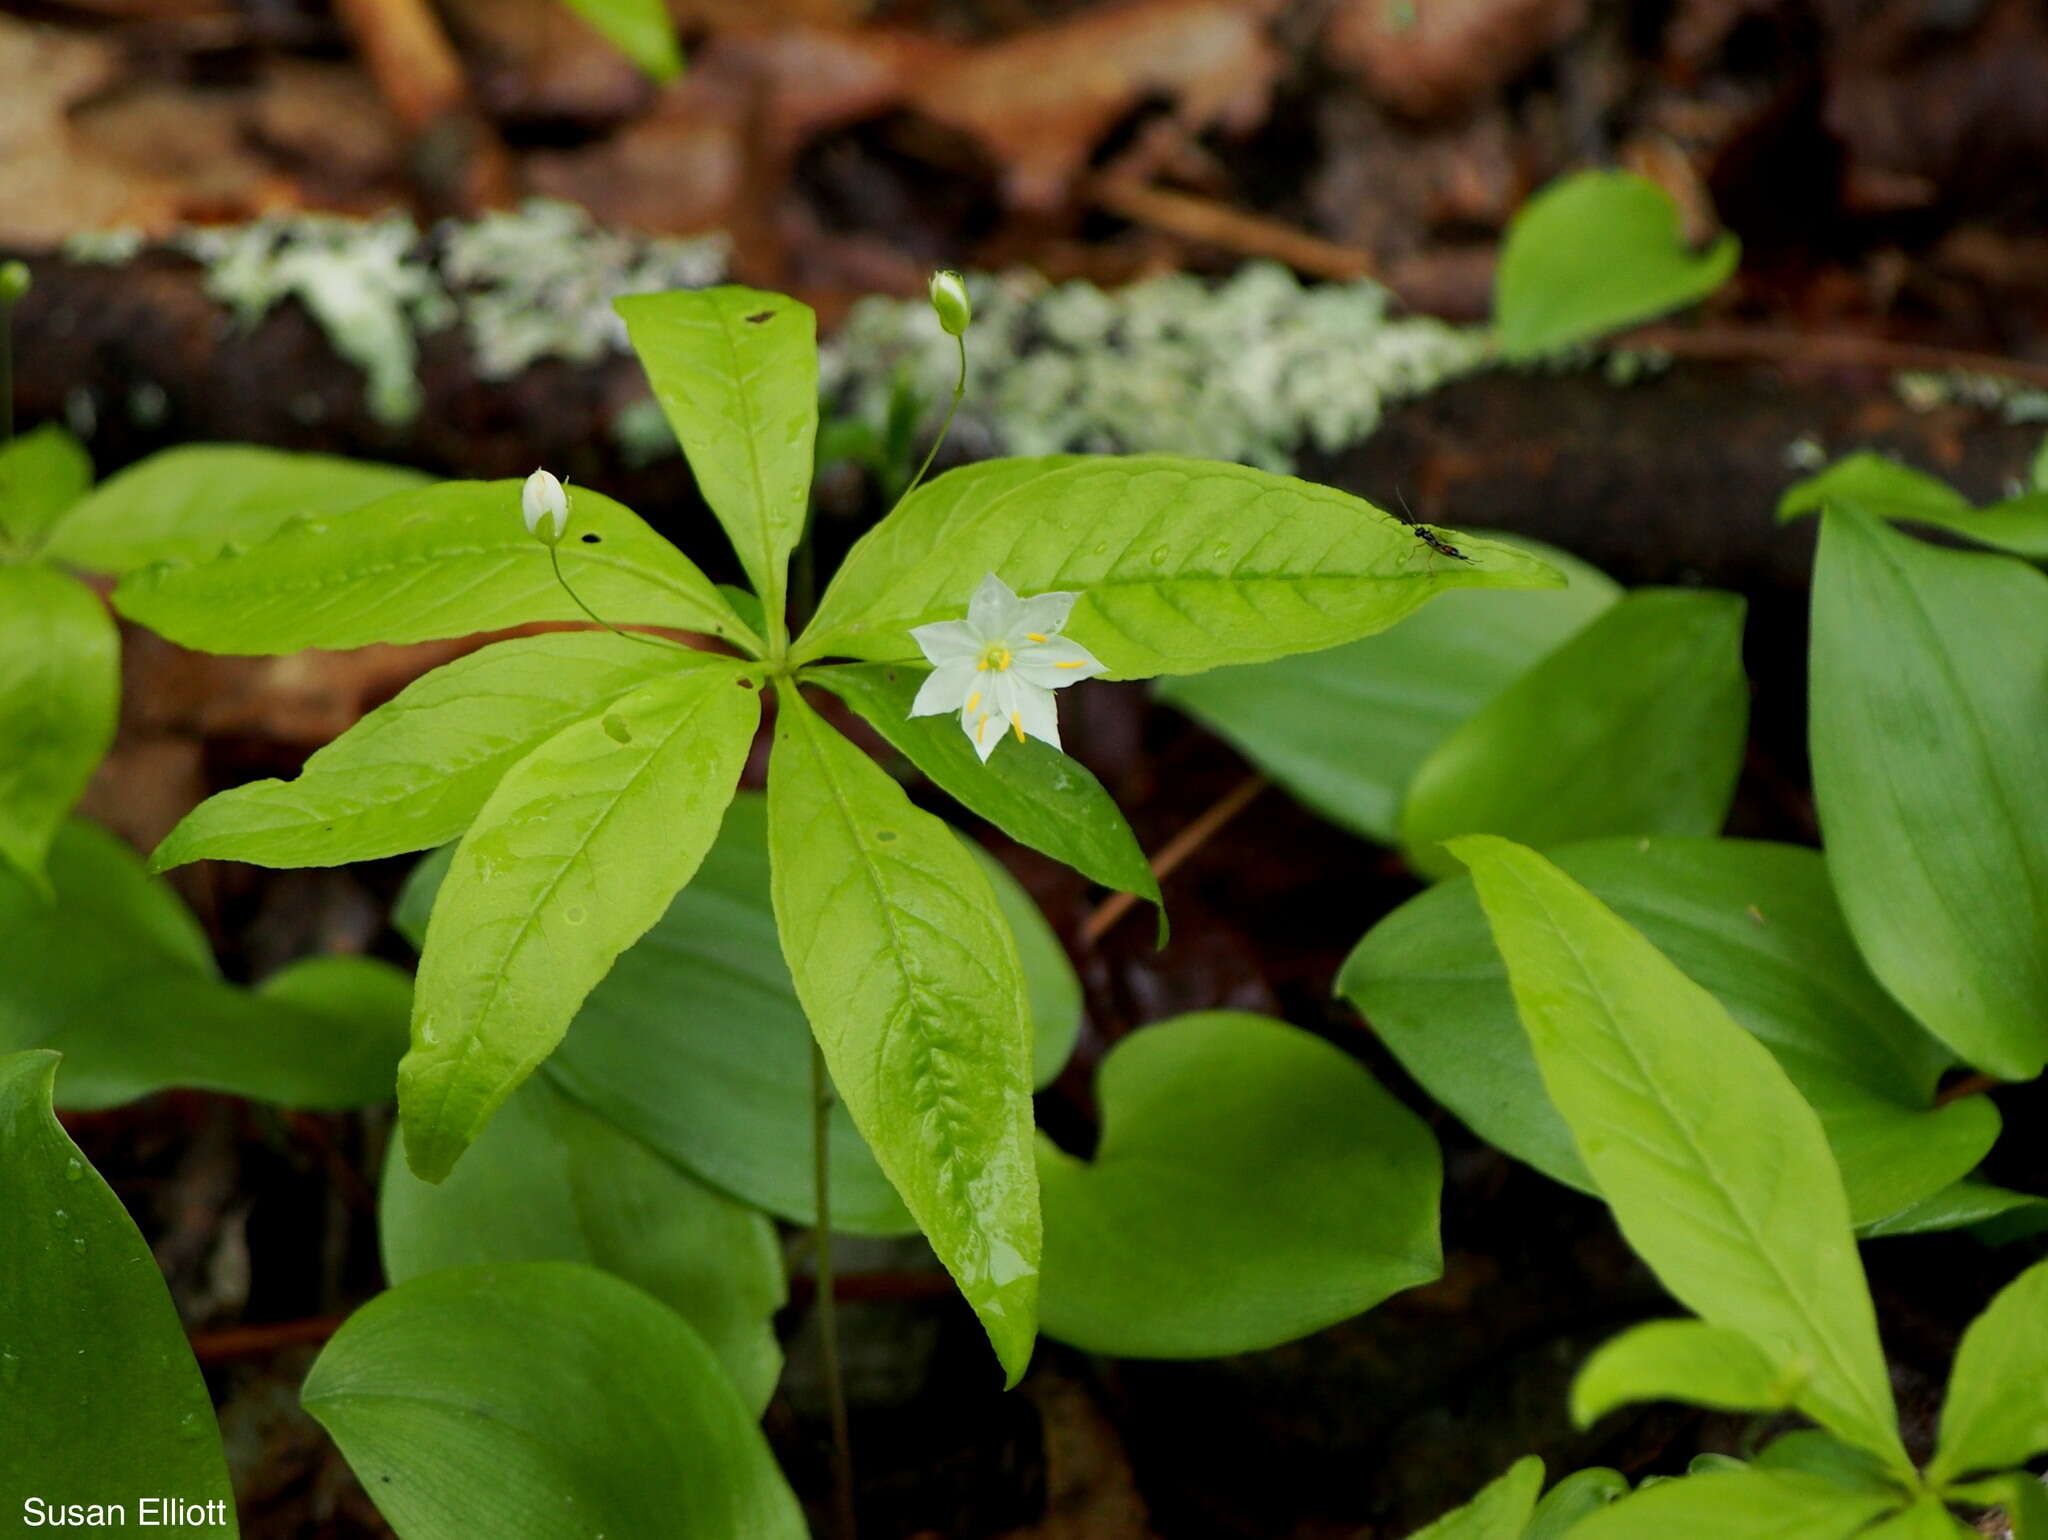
<point x="1017" y="726"/>
<point x="1034" y="636"/>
<point x="996" y="657"/>
<point x="1067" y="665"/>
<point x="974" y="700"/>
<point x="981" y="730"/>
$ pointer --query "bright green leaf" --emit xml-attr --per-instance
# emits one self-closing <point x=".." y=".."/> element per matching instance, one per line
<point x="915" y="993"/>
<point x="1717" y="1171"/>
<point x="495" y="1400"/>
<point x="1687" y="1361"/>
<point x="1031" y="791"/>
<point x="2019" y="1493"/>
<point x="695" y="1044"/>
<point x="1996" y="1414"/>
<point x="1738" y="1505"/>
<point x="1962" y="1205"/>
<point x="1636" y="725"/>
<point x="1345" y="729"/>
<point x="550" y="1180"/>
<point x="184" y="504"/>
<point x="1593" y="253"/>
<point x="1927" y="1519"/>
<point x="414" y="772"/>
<point x="451" y="559"/>
<point x="1754" y="923"/>
<point x="641" y="30"/>
<point x="1580" y="1493"/>
<point x="1182" y="565"/>
<point x="41" y="475"/>
<point x="1885" y="489"/>
<point x="1929" y="708"/>
<point x="112" y="970"/>
<point x="1221" y="1211"/>
<point x="1817" y="1452"/>
<point x="577" y="852"/>
<point x="736" y="373"/>
<point x="60" y="690"/>
<point x="1501" y="1511"/>
<point x="99" y="1395"/>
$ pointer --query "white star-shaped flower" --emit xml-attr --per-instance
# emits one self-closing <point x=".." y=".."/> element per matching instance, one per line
<point x="999" y="666"/>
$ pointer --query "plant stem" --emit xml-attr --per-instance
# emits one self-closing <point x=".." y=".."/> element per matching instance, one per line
<point x="555" y="556"/>
<point x="959" y="391"/>
<point x="828" y="1314"/>
<point x="1175" y="851"/>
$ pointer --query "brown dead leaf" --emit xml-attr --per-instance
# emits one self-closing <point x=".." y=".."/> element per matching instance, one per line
<point x="1091" y="1493"/>
<point x="539" y="59"/>
<point x="1432" y="59"/>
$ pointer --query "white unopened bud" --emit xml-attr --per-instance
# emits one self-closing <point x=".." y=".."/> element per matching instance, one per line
<point x="545" y="506"/>
<point x="949" y="299"/>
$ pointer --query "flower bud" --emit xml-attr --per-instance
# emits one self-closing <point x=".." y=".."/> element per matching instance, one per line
<point x="545" y="507"/>
<point x="949" y="300"/>
<point x="14" y="281"/>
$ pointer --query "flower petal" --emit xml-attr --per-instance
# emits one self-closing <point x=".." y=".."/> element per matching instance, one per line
<point x="992" y="612"/>
<point x="1041" y="615"/>
<point x="1035" y="712"/>
<point x="1055" y="664"/>
<point x="948" y="641"/>
<point x="983" y="727"/>
<point x="944" y="689"/>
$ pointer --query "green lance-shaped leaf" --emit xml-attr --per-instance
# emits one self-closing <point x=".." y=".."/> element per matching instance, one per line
<point x="1717" y="1170"/>
<point x="99" y="1397"/>
<point x="1345" y="729"/>
<point x="414" y="772"/>
<point x="1927" y="1518"/>
<point x="551" y="1180"/>
<point x="1996" y="1214"/>
<point x="577" y="852"/>
<point x="1031" y="791"/>
<point x="736" y="373"/>
<point x="447" y="560"/>
<point x="1754" y="923"/>
<point x="1996" y="1415"/>
<point x="42" y="474"/>
<point x="642" y="30"/>
<point x="913" y="988"/>
<point x="1501" y="1511"/>
<point x="1687" y="1361"/>
<point x="1885" y="489"/>
<point x="1740" y="1505"/>
<point x="533" y="1400"/>
<point x="2019" y="1493"/>
<point x="1580" y="1493"/>
<point x="1595" y="252"/>
<point x="1182" y="565"/>
<point x="60" y="689"/>
<point x="1635" y="725"/>
<point x="1929" y="691"/>
<point x="185" y="504"/>
<point x="1221" y="1211"/>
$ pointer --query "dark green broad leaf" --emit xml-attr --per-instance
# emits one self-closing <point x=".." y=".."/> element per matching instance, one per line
<point x="642" y="30"/>
<point x="1687" y="1361"/>
<point x="1501" y="1511"/>
<point x="1885" y="489"/>
<point x="1739" y="1505"/>
<point x="1253" y="1184"/>
<point x="1593" y="253"/>
<point x="550" y="1180"/>
<point x="99" y="1397"/>
<point x="414" y="773"/>
<point x="695" y="1044"/>
<point x="60" y="689"/>
<point x="915" y="994"/>
<point x="1344" y="730"/>
<point x="1994" y="1214"/>
<point x="1716" y="1169"/>
<point x="185" y="504"/>
<point x="1929" y="709"/>
<point x="1636" y="725"/>
<point x="576" y="853"/>
<point x="1754" y="923"/>
<point x="736" y="373"/>
<point x="447" y="560"/>
<point x="112" y="970"/>
<point x="41" y="475"/>
<point x="540" y="1401"/>
<point x="1996" y="1415"/>
<point x="1182" y="565"/>
<point x="1032" y="792"/>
